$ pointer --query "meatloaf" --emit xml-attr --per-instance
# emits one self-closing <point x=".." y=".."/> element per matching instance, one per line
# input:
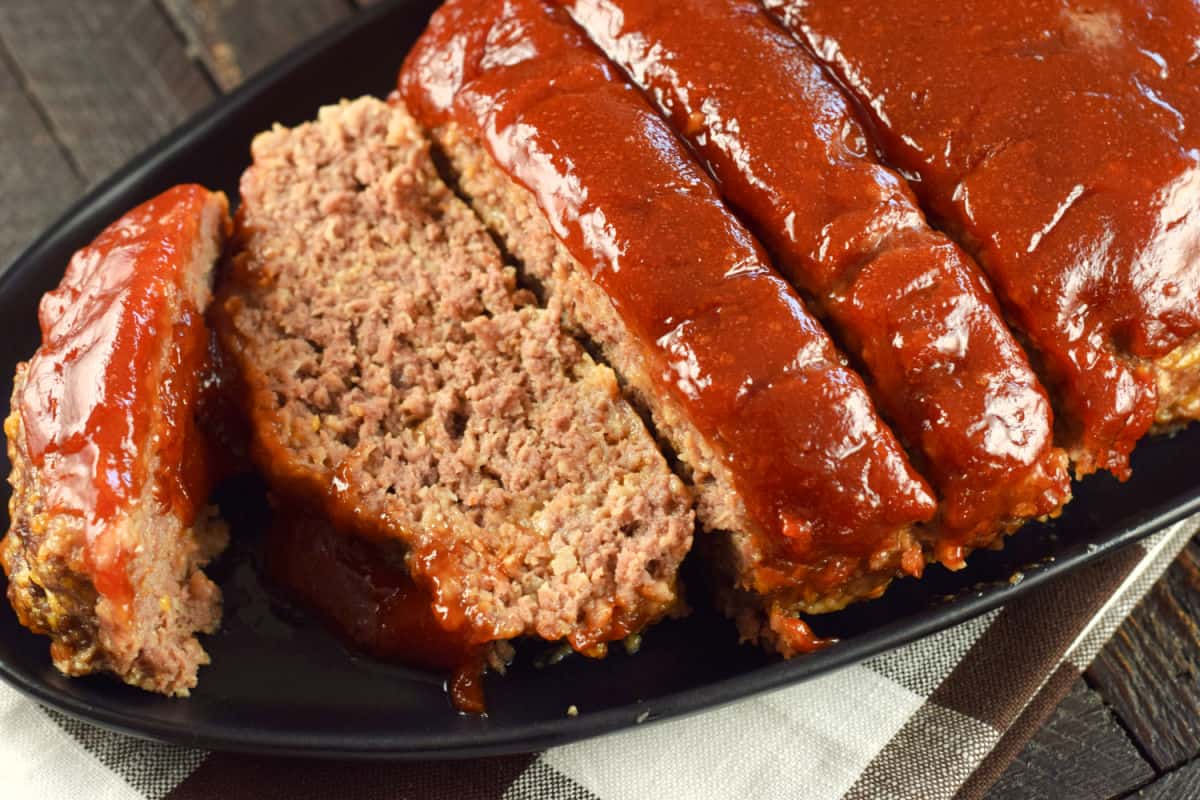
<point x="109" y="523"/>
<point x="398" y="379"/>
<point x="907" y="302"/>
<point x="1058" y="142"/>
<point x="606" y="210"/>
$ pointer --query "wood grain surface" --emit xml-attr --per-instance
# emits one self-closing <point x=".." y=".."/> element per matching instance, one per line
<point x="86" y="84"/>
<point x="1182" y="784"/>
<point x="1149" y="671"/>
<point x="1080" y="753"/>
<point x="113" y="77"/>
<point x="236" y="39"/>
<point x="38" y="184"/>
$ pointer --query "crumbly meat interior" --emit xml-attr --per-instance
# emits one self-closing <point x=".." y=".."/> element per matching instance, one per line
<point x="397" y="374"/>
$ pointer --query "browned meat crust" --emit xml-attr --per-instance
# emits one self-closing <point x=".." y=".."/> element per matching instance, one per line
<point x="1177" y="375"/>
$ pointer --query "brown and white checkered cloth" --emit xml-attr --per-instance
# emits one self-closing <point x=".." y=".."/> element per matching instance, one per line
<point x="940" y="718"/>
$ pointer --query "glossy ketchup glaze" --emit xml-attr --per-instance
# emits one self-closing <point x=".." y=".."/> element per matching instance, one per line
<point x="120" y="364"/>
<point x="362" y="588"/>
<point x="1057" y="139"/>
<point x="790" y="155"/>
<point x="819" y="472"/>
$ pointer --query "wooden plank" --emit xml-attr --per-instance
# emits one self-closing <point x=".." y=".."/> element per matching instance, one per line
<point x="1080" y="752"/>
<point x="1150" y="671"/>
<point x="236" y="38"/>
<point x="1182" y="784"/>
<point x="36" y="179"/>
<point x="112" y="77"/>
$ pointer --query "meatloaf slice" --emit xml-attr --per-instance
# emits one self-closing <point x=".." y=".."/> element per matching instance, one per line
<point x="109" y="528"/>
<point x="397" y="375"/>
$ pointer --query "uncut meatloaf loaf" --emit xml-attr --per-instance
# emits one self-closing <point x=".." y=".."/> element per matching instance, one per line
<point x="398" y="377"/>
<point x="1059" y="141"/>
<point x="109" y="467"/>
<point x="800" y="481"/>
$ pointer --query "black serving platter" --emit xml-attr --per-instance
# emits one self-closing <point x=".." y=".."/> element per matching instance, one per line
<point x="279" y="683"/>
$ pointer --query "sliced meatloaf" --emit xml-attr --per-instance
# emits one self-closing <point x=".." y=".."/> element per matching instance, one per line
<point x="908" y="303"/>
<point x="109" y="468"/>
<point x="397" y="377"/>
<point x="605" y="208"/>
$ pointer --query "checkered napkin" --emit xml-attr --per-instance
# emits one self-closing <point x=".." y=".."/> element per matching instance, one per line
<point x="940" y="718"/>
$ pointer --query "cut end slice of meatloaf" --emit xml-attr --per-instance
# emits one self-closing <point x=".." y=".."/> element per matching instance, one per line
<point x="109" y="472"/>
<point x="397" y="375"/>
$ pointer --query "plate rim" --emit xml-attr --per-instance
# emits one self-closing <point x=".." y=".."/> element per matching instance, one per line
<point x="536" y="736"/>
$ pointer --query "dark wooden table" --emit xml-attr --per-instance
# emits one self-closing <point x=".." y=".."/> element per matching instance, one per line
<point x="87" y="84"/>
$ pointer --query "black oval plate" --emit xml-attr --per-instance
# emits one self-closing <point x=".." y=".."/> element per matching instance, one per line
<point x="280" y="684"/>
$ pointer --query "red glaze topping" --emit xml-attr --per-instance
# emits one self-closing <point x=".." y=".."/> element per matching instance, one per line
<point x="791" y="156"/>
<point x="100" y="388"/>
<point x="731" y="341"/>
<point x="795" y="635"/>
<point x="363" y="589"/>
<point x="1053" y="137"/>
